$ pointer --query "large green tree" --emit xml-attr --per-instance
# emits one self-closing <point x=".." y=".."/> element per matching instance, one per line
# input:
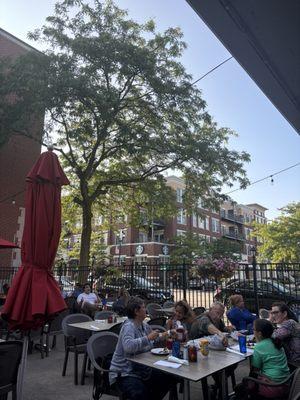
<point x="120" y="106"/>
<point x="280" y="239"/>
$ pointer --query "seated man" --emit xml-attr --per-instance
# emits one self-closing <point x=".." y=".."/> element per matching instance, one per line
<point x="88" y="301"/>
<point x="211" y="323"/>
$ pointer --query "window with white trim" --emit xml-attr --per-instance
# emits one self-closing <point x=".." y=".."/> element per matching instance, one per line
<point x="201" y="222"/>
<point x="194" y="220"/>
<point x="181" y="216"/>
<point x="215" y="225"/>
<point x="179" y="195"/>
<point x="207" y="225"/>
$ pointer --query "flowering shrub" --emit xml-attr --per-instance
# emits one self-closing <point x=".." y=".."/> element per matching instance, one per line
<point x="216" y="267"/>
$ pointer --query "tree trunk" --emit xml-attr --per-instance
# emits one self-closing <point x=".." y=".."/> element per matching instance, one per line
<point x="86" y="233"/>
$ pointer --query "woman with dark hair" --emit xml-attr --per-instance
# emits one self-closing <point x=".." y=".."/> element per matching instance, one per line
<point x="183" y="316"/>
<point x="135" y="381"/>
<point x="269" y="363"/>
<point x="287" y="330"/>
<point x="119" y="306"/>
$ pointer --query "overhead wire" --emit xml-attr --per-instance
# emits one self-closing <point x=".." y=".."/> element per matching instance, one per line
<point x="266" y="177"/>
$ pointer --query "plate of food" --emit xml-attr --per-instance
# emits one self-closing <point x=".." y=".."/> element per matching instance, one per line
<point x="160" y="351"/>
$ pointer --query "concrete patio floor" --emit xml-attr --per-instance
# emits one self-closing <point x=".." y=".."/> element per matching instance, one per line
<point x="43" y="380"/>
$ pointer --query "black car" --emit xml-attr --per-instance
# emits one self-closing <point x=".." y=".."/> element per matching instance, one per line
<point x="268" y="292"/>
<point x="138" y="286"/>
<point x="197" y="283"/>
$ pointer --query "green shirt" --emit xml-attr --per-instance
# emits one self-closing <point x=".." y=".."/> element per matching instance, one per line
<point x="270" y="360"/>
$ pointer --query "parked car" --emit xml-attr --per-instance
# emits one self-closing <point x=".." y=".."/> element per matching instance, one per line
<point x="198" y="283"/>
<point x="268" y="292"/>
<point x="140" y="286"/>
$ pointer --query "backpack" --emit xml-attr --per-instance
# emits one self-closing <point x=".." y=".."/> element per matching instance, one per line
<point x="101" y="378"/>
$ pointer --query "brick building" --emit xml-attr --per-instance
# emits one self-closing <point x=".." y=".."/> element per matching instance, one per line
<point x="16" y="158"/>
<point x="233" y="221"/>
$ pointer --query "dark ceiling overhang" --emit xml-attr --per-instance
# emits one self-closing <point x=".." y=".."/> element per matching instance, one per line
<point x="264" y="37"/>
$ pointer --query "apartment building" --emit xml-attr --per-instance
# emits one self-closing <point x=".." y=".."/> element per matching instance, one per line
<point x="16" y="159"/>
<point x="154" y="244"/>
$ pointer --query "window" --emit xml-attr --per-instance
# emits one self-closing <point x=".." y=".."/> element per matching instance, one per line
<point x="181" y="217"/>
<point x="194" y="220"/>
<point x="143" y="237"/>
<point x="201" y="222"/>
<point x="215" y="223"/>
<point x="159" y="237"/>
<point x="207" y="224"/>
<point x="179" y="232"/>
<point x="179" y="195"/>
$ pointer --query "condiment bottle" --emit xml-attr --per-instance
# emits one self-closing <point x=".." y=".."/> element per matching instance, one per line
<point x="204" y="349"/>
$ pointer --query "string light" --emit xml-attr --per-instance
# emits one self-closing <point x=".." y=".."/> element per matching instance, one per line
<point x="266" y="177"/>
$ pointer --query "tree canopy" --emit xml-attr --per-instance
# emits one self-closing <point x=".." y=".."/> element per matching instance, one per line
<point x="120" y="106"/>
<point x="280" y="239"/>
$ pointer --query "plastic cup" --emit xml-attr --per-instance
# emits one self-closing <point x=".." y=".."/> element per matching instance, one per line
<point x="242" y="344"/>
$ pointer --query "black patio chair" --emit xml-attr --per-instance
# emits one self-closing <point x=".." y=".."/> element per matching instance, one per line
<point x="10" y="358"/>
<point x="53" y="329"/>
<point x="199" y="310"/>
<point x="100" y="348"/>
<point x="168" y="304"/>
<point x="154" y="310"/>
<point x="293" y="381"/>
<point x="158" y="321"/>
<point x="103" y="314"/>
<point x="75" y="342"/>
<point x="116" y="328"/>
<point x="158" y="328"/>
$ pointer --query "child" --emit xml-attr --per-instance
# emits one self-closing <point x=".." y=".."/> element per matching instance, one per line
<point x="269" y="363"/>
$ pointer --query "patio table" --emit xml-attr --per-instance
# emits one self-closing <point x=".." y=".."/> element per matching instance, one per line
<point x="98" y="325"/>
<point x="217" y="361"/>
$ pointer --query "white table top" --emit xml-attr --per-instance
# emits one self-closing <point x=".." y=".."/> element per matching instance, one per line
<point x="195" y="371"/>
<point x="98" y="325"/>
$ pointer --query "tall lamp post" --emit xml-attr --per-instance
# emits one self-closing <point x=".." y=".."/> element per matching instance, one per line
<point x="121" y="236"/>
<point x="254" y="265"/>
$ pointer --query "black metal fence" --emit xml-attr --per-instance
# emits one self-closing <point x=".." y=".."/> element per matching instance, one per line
<point x="261" y="284"/>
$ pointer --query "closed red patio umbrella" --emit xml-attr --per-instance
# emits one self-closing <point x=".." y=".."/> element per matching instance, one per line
<point x="34" y="296"/>
<point x="5" y="244"/>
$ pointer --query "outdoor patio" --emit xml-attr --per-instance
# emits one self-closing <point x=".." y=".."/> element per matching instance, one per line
<point x="43" y="379"/>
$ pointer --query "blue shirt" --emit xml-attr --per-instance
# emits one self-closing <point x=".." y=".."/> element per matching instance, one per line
<point x="241" y="318"/>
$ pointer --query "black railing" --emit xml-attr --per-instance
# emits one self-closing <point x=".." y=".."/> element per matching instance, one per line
<point x="159" y="283"/>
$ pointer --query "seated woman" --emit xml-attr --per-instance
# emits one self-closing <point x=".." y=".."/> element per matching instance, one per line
<point x="120" y="304"/>
<point x="183" y="316"/>
<point x="239" y="316"/>
<point x="287" y="330"/>
<point x="269" y="364"/>
<point x="136" y="381"/>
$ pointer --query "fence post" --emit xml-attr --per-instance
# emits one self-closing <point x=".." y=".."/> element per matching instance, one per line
<point x="254" y="265"/>
<point x="184" y="279"/>
<point x="131" y="277"/>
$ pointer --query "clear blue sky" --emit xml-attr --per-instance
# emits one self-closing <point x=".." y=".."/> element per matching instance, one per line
<point x="233" y="99"/>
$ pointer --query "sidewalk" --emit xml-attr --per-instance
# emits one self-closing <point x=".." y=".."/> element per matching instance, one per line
<point x="43" y="379"/>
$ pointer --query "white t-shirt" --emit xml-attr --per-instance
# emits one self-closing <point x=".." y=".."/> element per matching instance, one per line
<point x="87" y="298"/>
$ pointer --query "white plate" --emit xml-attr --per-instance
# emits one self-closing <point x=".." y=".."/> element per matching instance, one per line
<point x="160" y="351"/>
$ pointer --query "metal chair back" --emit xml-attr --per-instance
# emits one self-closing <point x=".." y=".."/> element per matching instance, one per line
<point x="158" y="321"/>
<point x="10" y="358"/>
<point x="199" y="310"/>
<point x="79" y="335"/>
<point x="116" y="328"/>
<point x="101" y="345"/>
<point x="295" y="386"/>
<point x="168" y="304"/>
<point x="158" y="328"/>
<point x="154" y="310"/>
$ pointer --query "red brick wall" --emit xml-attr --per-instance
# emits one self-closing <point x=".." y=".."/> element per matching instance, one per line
<point x="16" y="159"/>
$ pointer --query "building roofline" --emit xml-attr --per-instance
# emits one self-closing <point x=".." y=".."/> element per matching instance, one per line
<point x="256" y="204"/>
<point x="18" y="41"/>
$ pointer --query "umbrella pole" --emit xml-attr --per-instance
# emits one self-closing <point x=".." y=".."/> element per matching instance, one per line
<point x="21" y="373"/>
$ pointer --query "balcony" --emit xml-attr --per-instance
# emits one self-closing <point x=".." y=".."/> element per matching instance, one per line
<point x="233" y="235"/>
<point x="230" y="216"/>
